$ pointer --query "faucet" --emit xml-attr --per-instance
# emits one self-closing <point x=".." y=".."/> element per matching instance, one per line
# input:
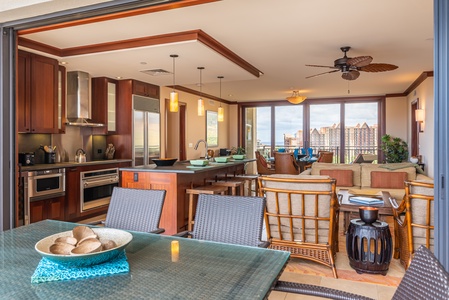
<point x="206" y="156"/>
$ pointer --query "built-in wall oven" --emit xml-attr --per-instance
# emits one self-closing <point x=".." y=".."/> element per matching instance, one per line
<point x="39" y="185"/>
<point x="96" y="187"/>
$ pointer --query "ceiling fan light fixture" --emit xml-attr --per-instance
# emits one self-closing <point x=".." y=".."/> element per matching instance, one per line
<point x="296" y="98"/>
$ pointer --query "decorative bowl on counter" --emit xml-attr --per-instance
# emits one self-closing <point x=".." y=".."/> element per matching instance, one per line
<point x="199" y="162"/>
<point x="239" y="156"/>
<point x="222" y="159"/>
<point x="164" y="162"/>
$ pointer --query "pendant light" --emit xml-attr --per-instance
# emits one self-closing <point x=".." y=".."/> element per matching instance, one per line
<point x="201" y="101"/>
<point x="296" y="98"/>
<point x="174" y="94"/>
<point x="220" y="109"/>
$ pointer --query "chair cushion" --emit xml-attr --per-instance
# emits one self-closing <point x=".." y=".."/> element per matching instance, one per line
<point x="342" y="177"/>
<point x="388" y="180"/>
<point x="317" y="167"/>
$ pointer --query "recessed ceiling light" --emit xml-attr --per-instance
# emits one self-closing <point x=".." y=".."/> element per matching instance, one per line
<point x="63" y="63"/>
<point x="118" y="77"/>
<point x="143" y="63"/>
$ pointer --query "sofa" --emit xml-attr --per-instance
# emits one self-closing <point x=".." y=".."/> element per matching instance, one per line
<point x="370" y="177"/>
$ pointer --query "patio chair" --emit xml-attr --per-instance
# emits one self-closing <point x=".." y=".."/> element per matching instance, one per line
<point x="285" y="163"/>
<point x="228" y="219"/>
<point x="417" y="227"/>
<point x="325" y="156"/>
<point x="263" y="168"/>
<point x="424" y="279"/>
<point x="364" y="158"/>
<point x="134" y="209"/>
<point x="302" y="216"/>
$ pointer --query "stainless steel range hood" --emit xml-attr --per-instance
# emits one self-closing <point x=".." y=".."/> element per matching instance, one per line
<point x="79" y="100"/>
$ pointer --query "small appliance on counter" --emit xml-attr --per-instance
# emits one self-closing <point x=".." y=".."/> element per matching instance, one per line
<point x="26" y="158"/>
<point x="49" y="154"/>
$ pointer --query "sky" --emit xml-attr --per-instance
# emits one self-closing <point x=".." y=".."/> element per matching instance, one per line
<point x="289" y="118"/>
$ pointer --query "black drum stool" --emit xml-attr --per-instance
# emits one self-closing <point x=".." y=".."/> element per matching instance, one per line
<point x="369" y="247"/>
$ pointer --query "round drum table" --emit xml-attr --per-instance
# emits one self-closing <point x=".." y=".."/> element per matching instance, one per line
<point x="369" y="246"/>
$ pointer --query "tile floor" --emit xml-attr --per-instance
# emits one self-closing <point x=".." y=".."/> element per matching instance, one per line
<point x="374" y="286"/>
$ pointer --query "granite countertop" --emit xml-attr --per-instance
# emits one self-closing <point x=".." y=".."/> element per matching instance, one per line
<point x="185" y="167"/>
<point x="71" y="164"/>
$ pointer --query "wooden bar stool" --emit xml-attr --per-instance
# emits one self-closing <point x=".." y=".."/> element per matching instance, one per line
<point x="231" y="183"/>
<point x="247" y="178"/>
<point x="204" y="189"/>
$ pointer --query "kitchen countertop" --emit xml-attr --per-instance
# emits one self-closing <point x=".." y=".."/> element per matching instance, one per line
<point x="184" y="167"/>
<point x="71" y="164"/>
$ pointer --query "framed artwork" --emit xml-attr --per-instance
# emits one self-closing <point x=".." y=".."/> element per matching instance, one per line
<point x="212" y="128"/>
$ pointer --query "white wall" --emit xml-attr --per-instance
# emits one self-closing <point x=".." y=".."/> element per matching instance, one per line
<point x="396" y="118"/>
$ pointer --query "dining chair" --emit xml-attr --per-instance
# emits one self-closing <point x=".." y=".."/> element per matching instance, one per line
<point x="263" y="168"/>
<point x="285" y="163"/>
<point x="413" y="220"/>
<point x="426" y="278"/>
<point x="135" y="209"/>
<point x="228" y="219"/>
<point x="301" y="216"/>
<point x="325" y="156"/>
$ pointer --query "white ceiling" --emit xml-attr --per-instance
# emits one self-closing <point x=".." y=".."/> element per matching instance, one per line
<point x="277" y="37"/>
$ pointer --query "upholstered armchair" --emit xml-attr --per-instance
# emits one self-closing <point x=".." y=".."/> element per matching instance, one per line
<point x="263" y="168"/>
<point x="285" y="163"/>
<point x="302" y="216"/>
<point x="325" y="156"/>
<point x="417" y="226"/>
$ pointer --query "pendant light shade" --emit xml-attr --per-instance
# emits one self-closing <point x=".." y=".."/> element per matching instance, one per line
<point x="201" y="101"/>
<point x="220" y="109"/>
<point x="173" y="94"/>
<point x="296" y="98"/>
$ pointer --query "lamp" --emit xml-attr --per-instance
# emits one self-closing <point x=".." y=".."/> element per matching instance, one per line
<point x="295" y="98"/>
<point x="174" y="94"/>
<point x="220" y="109"/>
<point x="419" y="117"/>
<point x="201" y="101"/>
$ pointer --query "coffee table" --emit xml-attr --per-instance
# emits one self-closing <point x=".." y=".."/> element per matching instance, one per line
<point x="347" y="207"/>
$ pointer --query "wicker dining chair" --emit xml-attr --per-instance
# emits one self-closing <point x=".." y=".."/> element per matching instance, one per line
<point x="285" y="163"/>
<point x="135" y="209"/>
<point x="263" y="168"/>
<point x="424" y="279"/>
<point x="302" y="216"/>
<point x="417" y="227"/>
<point x="228" y="219"/>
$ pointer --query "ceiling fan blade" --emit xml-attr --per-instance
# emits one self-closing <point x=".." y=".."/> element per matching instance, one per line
<point x="319" y="66"/>
<point x="322" y="73"/>
<point x="378" y="68"/>
<point x="359" y="61"/>
<point x="351" y="75"/>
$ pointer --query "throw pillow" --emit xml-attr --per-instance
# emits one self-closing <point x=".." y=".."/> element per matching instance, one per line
<point x="388" y="180"/>
<point x="342" y="177"/>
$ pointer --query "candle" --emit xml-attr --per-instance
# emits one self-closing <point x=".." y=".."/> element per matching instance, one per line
<point x="174" y="251"/>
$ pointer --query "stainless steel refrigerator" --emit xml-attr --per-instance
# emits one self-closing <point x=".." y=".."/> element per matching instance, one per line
<point x="146" y="130"/>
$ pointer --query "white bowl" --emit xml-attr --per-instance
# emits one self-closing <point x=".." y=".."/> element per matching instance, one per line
<point x="120" y="237"/>
<point x="199" y="162"/>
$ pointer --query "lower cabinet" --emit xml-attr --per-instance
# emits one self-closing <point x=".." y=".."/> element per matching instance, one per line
<point x="47" y="209"/>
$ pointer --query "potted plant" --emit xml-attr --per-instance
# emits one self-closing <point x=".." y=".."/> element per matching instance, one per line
<point x="394" y="149"/>
<point x="238" y="152"/>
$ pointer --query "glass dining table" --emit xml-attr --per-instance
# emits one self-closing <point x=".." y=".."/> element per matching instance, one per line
<point x="204" y="269"/>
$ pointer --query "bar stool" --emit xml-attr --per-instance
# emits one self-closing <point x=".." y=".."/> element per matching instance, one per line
<point x="231" y="183"/>
<point x="204" y="189"/>
<point x="247" y="178"/>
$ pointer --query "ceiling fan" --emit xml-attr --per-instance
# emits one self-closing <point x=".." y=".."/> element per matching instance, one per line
<point x="351" y="66"/>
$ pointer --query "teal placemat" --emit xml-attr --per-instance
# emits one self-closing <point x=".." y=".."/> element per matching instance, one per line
<point x="48" y="270"/>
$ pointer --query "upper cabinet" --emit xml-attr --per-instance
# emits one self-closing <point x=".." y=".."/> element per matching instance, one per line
<point x="104" y="101"/>
<point x="145" y="89"/>
<point x="37" y="101"/>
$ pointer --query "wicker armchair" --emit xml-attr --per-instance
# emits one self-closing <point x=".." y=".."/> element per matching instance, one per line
<point x="417" y="227"/>
<point x="424" y="279"/>
<point x="285" y="163"/>
<point x="302" y="216"/>
<point x="134" y="209"/>
<point x="263" y="168"/>
<point x="228" y="219"/>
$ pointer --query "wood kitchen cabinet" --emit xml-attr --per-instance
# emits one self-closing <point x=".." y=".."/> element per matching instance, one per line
<point x="47" y="209"/>
<point x="145" y="89"/>
<point x="104" y="102"/>
<point x="37" y="99"/>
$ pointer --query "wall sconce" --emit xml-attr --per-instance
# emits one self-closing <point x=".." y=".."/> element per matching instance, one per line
<point x="419" y="117"/>
<point x="201" y="101"/>
<point x="174" y="94"/>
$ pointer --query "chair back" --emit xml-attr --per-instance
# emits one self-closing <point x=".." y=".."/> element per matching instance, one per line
<point x="424" y="279"/>
<point x="229" y="219"/>
<point x="285" y="163"/>
<point x="325" y="156"/>
<point x="134" y="209"/>
<point x="262" y="165"/>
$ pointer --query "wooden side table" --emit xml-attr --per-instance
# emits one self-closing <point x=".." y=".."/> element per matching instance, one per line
<point x="369" y="247"/>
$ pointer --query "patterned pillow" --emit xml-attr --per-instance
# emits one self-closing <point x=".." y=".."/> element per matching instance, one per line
<point x="342" y="177"/>
<point x="388" y="180"/>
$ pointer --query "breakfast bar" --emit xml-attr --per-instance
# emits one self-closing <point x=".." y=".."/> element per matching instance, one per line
<point x="175" y="180"/>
